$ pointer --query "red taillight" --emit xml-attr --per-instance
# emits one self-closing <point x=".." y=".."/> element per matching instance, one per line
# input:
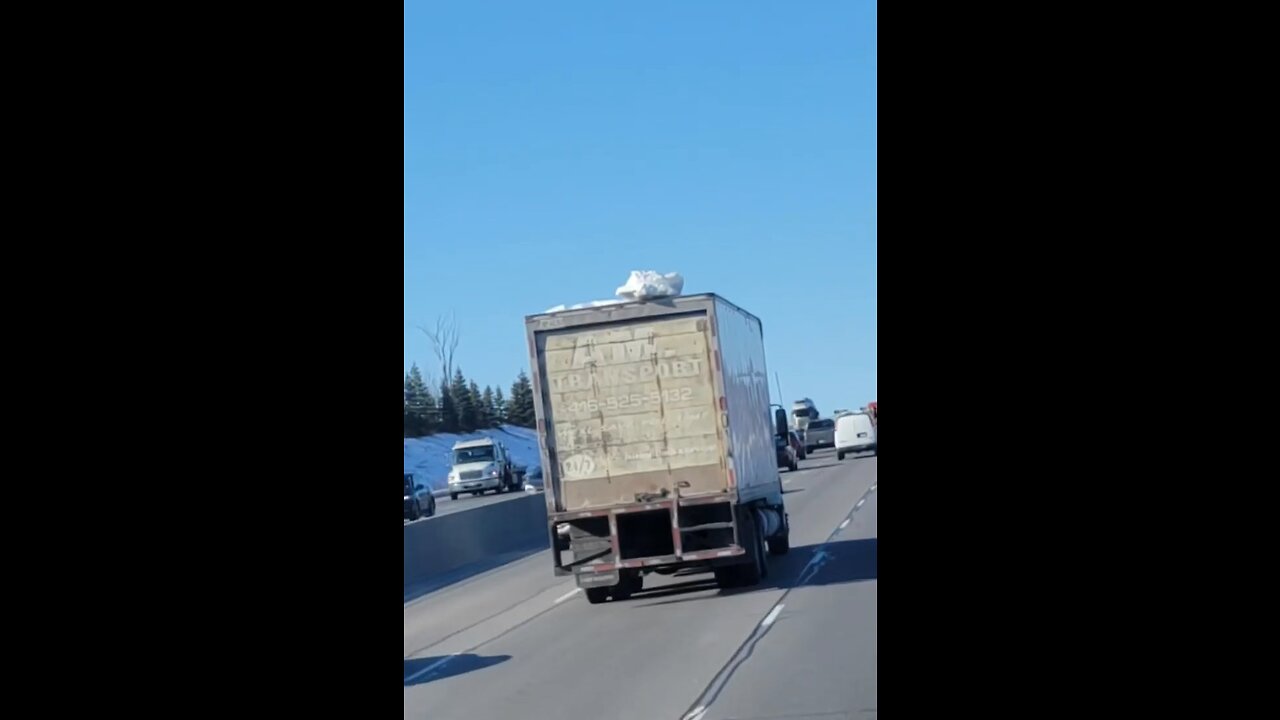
<point x="733" y="479"/>
<point x="724" y="404"/>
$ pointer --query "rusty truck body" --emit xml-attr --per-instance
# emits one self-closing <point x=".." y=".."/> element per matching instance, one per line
<point x="657" y="442"/>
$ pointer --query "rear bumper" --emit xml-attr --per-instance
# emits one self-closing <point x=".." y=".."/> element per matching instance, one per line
<point x="488" y="483"/>
<point x="857" y="448"/>
<point x="692" y="541"/>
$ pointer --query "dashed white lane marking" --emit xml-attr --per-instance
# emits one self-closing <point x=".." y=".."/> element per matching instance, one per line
<point x="860" y="502"/>
<point x="773" y="616"/>
<point x="696" y="714"/>
<point x="430" y="668"/>
<point x="567" y="595"/>
<point x="844" y="524"/>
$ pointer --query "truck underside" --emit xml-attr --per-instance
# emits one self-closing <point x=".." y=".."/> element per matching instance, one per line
<point x="609" y="550"/>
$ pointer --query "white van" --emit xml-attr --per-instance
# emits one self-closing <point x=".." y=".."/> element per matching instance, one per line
<point x="854" y="434"/>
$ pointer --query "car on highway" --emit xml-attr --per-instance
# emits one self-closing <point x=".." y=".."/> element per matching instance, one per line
<point x="855" y="433"/>
<point x="798" y="444"/>
<point x="787" y="457"/>
<point x="820" y="434"/>
<point x="416" y="498"/>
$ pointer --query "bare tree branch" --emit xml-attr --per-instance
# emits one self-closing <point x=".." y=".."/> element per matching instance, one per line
<point x="444" y="341"/>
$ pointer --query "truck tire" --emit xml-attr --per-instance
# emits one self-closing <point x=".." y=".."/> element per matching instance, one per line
<point x="597" y="595"/>
<point x="780" y="544"/>
<point x="453" y="496"/>
<point x="750" y="572"/>
<point x="839" y="455"/>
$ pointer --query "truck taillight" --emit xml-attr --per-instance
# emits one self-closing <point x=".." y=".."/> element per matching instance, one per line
<point x="733" y="479"/>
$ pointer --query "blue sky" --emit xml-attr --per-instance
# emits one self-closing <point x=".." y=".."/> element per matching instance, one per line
<point x="550" y="148"/>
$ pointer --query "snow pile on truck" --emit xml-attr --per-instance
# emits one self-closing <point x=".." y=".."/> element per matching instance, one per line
<point x="649" y="285"/>
<point x="642" y="285"/>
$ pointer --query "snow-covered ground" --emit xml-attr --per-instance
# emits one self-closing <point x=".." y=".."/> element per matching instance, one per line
<point x="429" y="458"/>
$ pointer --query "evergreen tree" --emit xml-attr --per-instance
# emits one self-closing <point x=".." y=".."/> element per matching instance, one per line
<point x="499" y="408"/>
<point x="462" y="403"/>
<point x="448" y="409"/>
<point x="490" y="408"/>
<point x="419" y="405"/>
<point x="478" y="408"/>
<point x="408" y="419"/>
<point x="520" y="412"/>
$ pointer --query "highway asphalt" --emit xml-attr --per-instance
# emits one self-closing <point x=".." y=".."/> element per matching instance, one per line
<point x="519" y="642"/>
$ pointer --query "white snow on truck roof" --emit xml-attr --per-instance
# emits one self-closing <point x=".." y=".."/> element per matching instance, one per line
<point x="642" y="285"/>
<point x="483" y="442"/>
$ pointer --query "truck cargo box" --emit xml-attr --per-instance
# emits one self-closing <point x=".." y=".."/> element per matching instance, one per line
<point x="649" y="401"/>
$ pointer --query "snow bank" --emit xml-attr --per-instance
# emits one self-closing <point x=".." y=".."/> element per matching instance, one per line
<point x="430" y="458"/>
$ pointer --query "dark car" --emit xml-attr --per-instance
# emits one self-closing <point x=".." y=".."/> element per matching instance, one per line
<point x="787" y="457"/>
<point x="801" y="451"/>
<point x="413" y="498"/>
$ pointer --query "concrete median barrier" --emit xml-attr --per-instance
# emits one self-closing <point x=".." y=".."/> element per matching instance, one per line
<point x="446" y="543"/>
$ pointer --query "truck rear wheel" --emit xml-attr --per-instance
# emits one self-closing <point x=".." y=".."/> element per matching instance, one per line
<point x="750" y="572"/>
<point x="597" y="595"/>
<point x="781" y="542"/>
<point x="839" y="455"/>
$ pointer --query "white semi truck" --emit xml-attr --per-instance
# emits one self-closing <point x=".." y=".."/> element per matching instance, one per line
<point x="480" y="465"/>
<point x="657" y="442"/>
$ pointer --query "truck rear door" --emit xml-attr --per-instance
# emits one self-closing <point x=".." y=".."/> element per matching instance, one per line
<point x="631" y="411"/>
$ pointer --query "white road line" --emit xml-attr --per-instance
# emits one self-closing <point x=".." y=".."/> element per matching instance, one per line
<point x="567" y="595"/>
<point x="819" y="559"/>
<point x="696" y="714"/>
<point x="873" y="488"/>
<point x="430" y="668"/>
<point x="855" y="507"/>
<point x="777" y="610"/>
<point x="844" y="524"/>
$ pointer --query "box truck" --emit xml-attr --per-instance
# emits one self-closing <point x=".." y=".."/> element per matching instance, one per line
<point x="657" y="442"/>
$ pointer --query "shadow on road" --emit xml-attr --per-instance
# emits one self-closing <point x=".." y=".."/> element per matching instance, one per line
<point x="845" y="561"/>
<point x="819" y="467"/>
<point x="457" y="665"/>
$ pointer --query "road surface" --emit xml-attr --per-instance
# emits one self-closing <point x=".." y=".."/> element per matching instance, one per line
<point x="519" y="642"/>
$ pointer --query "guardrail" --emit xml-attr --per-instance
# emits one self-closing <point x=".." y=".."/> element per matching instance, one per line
<point x="446" y="543"/>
